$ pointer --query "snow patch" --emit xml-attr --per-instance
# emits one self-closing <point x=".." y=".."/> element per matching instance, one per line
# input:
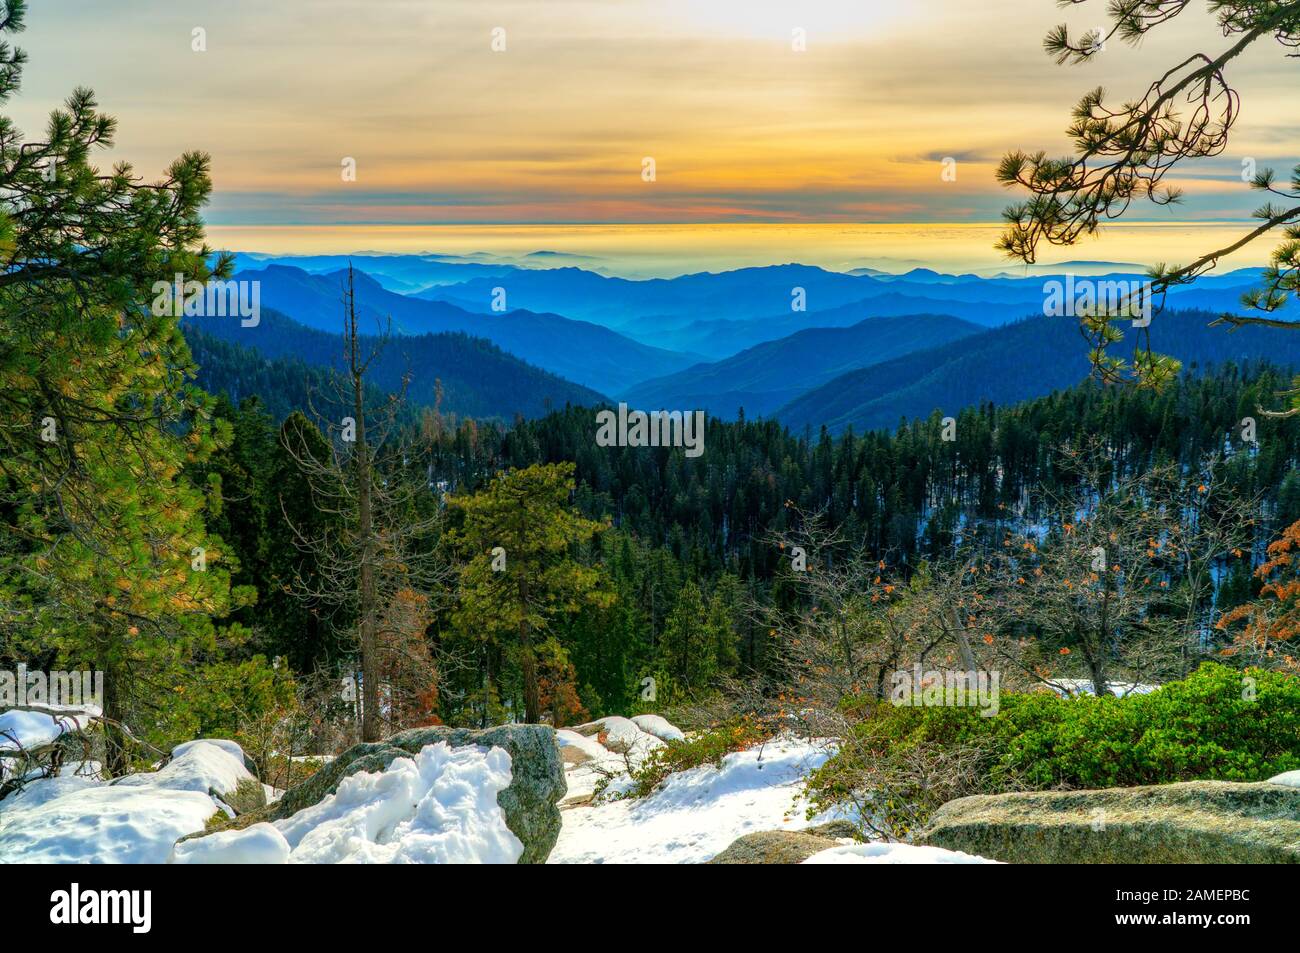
<point x="200" y="766"/>
<point x="1290" y="778"/>
<point x="21" y="728"/>
<point x="659" y="726"/>
<point x="697" y="813"/>
<point x="1073" y="687"/>
<point x="567" y="738"/>
<point x="622" y="735"/>
<point x="883" y="853"/>
<point x="438" y="808"/>
<point x="134" y="820"/>
<point x="258" y="844"/>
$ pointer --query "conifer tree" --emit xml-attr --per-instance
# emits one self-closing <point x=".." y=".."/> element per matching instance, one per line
<point x="110" y="562"/>
<point x="518" y="539"/>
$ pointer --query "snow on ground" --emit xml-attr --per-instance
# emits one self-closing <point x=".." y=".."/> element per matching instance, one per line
<point x="567" y="738"/>
<point x="200" y="766"/>
<point x="621" y="735"/>
<point x="625" y="744"/>
<point x="258" y="844"/>
<point x="697" y="813"/>
<point x="659" y="726"/>
<point x="1083" y="686"/>
<point x="47" y="789"/>
<point x="135" y="820"/>
<point x="1291" y="779"/>
<point x="22" y="728"/>
<point x="882" y="853"/>
<point x="439" y="807"/>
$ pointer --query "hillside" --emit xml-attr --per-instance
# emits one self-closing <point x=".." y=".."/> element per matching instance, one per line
<point x="1027" y="359"/>
<point x="763" y="378"/>
<point x="588" y="354"/>
<point x="478" y="378"/>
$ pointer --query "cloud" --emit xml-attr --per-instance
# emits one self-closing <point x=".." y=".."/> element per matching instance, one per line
<point x="742" y="126"/>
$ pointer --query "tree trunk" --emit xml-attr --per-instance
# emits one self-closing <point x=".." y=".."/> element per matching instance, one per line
<point x="116" y="760"/>
<point x="532" y="695"/>
<point x="367" y="602"/>
<point x="963" y="643"/>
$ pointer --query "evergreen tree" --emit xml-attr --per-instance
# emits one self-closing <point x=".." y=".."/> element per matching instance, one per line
<point x="110" y="561"/>
<point x="517" y="538"/>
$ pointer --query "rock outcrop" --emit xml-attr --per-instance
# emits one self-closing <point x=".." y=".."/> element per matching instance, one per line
<point x="528" y="803"/>
<point x="785" y="847"/>
<point x="1194" y="822"/>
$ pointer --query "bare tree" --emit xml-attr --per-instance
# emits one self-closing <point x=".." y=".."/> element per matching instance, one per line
<point x="1118" y="581"/>
<point x="857" y="624"/>
<point x="382" y="564"/>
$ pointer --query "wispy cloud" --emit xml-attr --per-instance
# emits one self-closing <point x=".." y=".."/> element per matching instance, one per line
<point x="742" y="125"/>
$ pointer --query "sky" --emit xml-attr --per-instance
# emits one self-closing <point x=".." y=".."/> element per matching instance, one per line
<point x="555" y="127"/>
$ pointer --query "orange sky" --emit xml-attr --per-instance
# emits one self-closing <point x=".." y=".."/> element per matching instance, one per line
<point x="743" y="127"/>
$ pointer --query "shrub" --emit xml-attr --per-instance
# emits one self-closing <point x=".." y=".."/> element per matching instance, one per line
<point x="900" y="763"/>
<point x="707" y="747"/>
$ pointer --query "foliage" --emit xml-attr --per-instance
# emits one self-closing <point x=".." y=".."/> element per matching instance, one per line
<point x="517" y="539"/>
<point x="221" y="698"/>
<point x="1123" y="153"/>
<point x="1217" y="724"/>
<point x="1265" y="630"/>
<point x="704" y="747"/>
<point x="110" y="562"/>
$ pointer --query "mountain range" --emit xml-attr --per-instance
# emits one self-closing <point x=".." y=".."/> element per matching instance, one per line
<point x="801" y="343"/>
<point x="1026" y="359"/>
<point x="477" y="378"/>
<point x="585" y="353"/>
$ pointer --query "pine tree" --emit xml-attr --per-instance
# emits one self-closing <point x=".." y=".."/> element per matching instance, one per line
<point x="110" y="562"/>
<point x="518" y="538"/>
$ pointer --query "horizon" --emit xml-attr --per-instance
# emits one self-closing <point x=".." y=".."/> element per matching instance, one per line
<point x="673" y="250"/>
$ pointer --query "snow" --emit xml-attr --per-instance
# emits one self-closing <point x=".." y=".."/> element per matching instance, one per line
<point x="134" y="820"/>
<point x="20" y="728"/>
<point x="258" y="844"/>
<point x="659" y="726"/>
<point x="592" y="748"/>
<point x="1291" y="779"/>
<point x="200" y="766"/>
<point x="893" y="853"/>
<point x="1068" y="687"/>
<point x="439" y="807"/>
<point x="39" y="791"/>
<point x="231" y="748"/>
<point x="101" y="824"/>
<point x="697" y="813"/>
<point x="623" y="734"/>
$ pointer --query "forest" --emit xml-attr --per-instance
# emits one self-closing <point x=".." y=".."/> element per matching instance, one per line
<point x="653" y="568"/>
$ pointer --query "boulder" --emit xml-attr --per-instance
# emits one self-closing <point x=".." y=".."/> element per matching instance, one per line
<point x="620" y="735"/>
<point x="1194" y="822"/>
<point x="774" y="847"/>
<point x="528" y="802"/>
<point x="786" y="847"/>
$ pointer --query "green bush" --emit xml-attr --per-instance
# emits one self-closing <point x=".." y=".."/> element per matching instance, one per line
<point x="221" y="699"/>
<point x="1217" y="724"/>
<point x="707" y="747"/>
